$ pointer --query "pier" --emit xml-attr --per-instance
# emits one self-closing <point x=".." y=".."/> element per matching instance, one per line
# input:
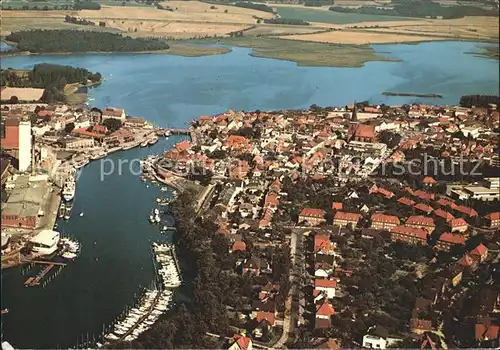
<point x="177" y="131"/>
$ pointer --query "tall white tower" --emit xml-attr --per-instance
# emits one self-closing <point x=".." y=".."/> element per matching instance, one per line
<point x="25" y="145"/>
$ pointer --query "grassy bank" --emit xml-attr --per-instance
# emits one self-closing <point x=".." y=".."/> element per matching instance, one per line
<point x="492" y="52"/>
<point x="307" y="53"/>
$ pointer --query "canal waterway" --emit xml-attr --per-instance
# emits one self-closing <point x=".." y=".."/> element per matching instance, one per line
<point x="170" y="91"/>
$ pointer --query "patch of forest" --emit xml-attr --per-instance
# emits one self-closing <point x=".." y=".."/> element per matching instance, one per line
<point x="52" y="40"/>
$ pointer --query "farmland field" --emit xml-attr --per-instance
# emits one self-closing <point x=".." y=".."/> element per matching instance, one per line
<point x="325" y="16"/>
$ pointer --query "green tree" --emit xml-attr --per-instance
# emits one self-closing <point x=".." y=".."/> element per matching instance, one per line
<point x="69" y="127"/>
<point x="112" y="124"/>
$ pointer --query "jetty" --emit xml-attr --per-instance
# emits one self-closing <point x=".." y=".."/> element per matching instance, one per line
<point x="177" y="131"/>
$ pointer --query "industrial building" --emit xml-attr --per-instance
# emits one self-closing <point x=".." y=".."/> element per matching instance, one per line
<point x="17" y="140"/>
<point x="24" y="203"/>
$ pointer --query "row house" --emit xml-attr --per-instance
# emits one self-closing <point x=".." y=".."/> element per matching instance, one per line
<point x="443" y="214"/>
<point x="343" y="219"/>
<point x="384" y="222"/>
<point x="380" y="190"/>
<point x="424" y="208"/>
<point x="312" y="216"/>
<point x="406" y="201"/>
<point x="458" y="225"/>
<point x="421" y="222"/>
<point x="410" y="235"/>
<point x="448" y="240"/>
<point x="493" y="219"/>
<point x="469" y="212"/>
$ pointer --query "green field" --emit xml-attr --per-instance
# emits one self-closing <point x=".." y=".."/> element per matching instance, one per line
<point x="311" y="15"/>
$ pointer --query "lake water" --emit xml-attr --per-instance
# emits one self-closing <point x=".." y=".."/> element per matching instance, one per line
<point x="170" y="91"/>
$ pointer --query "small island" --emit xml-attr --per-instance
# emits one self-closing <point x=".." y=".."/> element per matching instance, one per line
<point x="406" y="94"/>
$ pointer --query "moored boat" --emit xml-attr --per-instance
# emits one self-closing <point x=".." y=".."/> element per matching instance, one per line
<point x="153" y="141"/>
<point x="62" y="210"/>
<point x="67" y="213"/>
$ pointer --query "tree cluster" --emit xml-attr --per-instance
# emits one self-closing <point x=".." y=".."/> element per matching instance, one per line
<point x="290" y="21"/>
<point x="51" y="77"/>
<point x="479" y="100"/>
<point x="78" y="20"/>
<point x="54" y="40"/>
<point x="258" y="7"/>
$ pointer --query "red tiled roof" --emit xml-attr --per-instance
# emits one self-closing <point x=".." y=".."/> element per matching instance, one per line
<point x="376" y="217"/>
<point x="466" y="210"/>
<point x="444" y="214"/>
<point x="385" y="192"/>
<point x="325" y="309"/>
<point x="324" y="283"/>
<point x="466" y="260"/>
<point x="365" y="131"/>
<point x="322" y="322"/>
<point x="444" y="202"/>
<point x="321" y="242"/>
<point x="239" y="245"/>
<point x="268" y="316"/>
<point x="337" y="205"/>
<point x="424" y="195"/>
<point x="410" y="231"/>
<point x="459" y="222"/>
<point x="313" y="212"/>
<point x="479" y="250"/>
<point x="486" y="331"/>
<point x="424" y="207"/>
<point x="183" y="146"/>
<point x="243" y="342"/>
<point x="406" y="201"/>
<point x="340" y="215"/>
<point x="493" y="216"/>
<point x="111" y="111"/>
<point x="452" y="238"/>
<point x="84" y="132"/>
<point x="420" y="220"/>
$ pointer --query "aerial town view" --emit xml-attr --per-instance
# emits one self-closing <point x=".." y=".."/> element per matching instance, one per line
<point x="241" y="175"/>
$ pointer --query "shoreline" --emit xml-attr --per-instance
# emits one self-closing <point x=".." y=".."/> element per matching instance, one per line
<point x="341" y="55"/>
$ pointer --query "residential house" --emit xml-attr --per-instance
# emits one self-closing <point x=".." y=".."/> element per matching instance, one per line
<point x="410" y="235"/>
<point x="406" y="201"/>
<point x="467" y="261"/>
<point x="252" y="266"/>
<point x="323" y="245"/>
<point x="326" y="285"/>
<point x="458" y="225"/>
<point x="493" y="219"/>
<point x="378" y="338"/>
<point x="312" y="216"/>
<point x="421" y="222"/>
<point x="469" y="212"/>
<point x="240" y="342"/>
<point x="480" y="252"/>
<point x="344" y="219"/>
<point x="324" y="313"/>
<point x="443" y="214"/>
<point x="424" y="208"/>
<point x="384" y="222"/>
<point x="238" y="246"/>
<point x="448" y="240"/>
<point x="486" y="330"/>
<point x="365" y="133"/>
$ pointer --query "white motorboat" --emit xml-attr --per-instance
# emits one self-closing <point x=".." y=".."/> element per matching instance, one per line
<point x="151" y="218"/>
<point x="111" y="336"/>
<point x="67" y="212"/>
<point x="69" y="190"/>
<point x="157" y="218"/>
<point x="69" y="255"/>
<point x="81" y="214"/>
<point x="156" y="211"/>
